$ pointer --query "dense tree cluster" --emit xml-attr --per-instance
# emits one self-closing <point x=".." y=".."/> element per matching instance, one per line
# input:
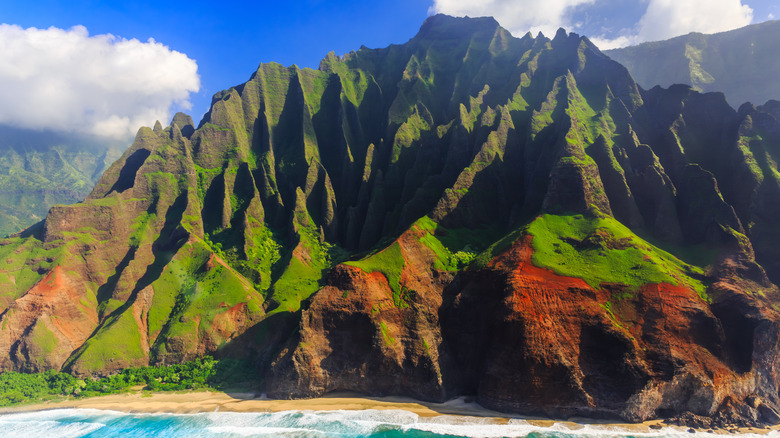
<point x="200" y="373"/>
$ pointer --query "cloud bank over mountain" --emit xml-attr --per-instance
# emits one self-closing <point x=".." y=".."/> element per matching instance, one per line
<point x="660" y="20"/>
<point x="517" y="16"/>
<point x="670" y="18"/>
<point x="67" y="80"/>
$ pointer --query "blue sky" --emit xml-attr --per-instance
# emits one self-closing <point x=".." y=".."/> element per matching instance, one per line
<point x="228" y="39"/>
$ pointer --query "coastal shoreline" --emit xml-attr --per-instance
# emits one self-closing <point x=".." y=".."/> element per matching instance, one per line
<point x="192" y="402"/>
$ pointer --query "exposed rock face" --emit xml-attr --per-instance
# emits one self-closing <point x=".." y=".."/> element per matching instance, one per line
<point x="558" y="347"/>
<point x="525" y="339"/>
<point x="44" y="326"/>
<point x="456" y="215"/>
<point x="354" y="336"/>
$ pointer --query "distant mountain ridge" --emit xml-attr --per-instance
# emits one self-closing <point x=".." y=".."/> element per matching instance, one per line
<point x="40" y="169"/>
<point x="467" y="213"/>
<point x="741" y="63"/>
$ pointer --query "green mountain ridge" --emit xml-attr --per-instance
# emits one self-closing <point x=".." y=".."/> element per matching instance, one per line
<point x="370" y="225"/>
<point x="41" y="169"/>
<point x="740" y="63"/>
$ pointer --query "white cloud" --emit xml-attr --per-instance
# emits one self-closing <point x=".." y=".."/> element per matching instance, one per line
<point x="69" y="81"/>
<point x="662" y="19"/>
<point x="614" y="43"/>
<point x="517" y="16"/>
<point x="670" y="18"/>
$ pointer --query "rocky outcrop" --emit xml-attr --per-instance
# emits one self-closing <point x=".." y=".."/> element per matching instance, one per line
<point x="41" y="328"/>
<point x="525" y="339"/>
<point x="559" y="347"/>
<point x="362" y="333"/>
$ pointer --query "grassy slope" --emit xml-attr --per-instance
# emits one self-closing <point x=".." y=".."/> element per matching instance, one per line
<point x="302" y="276"/>
<point x="22" y="260"/>
<point x="453" y="249"/>
<point x="601" y="250"/>
<point x="390" y="262"/>
<point x="598" y="249"/>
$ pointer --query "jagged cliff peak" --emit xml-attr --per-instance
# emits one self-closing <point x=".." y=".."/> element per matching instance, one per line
<point x="448" y="27"/>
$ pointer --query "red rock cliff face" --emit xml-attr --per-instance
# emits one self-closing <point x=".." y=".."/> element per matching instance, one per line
<point x="42" y="327"/>
<point x="354" y="337"/>
<point x="524" y="339"/>
<point x="528" y="340"/>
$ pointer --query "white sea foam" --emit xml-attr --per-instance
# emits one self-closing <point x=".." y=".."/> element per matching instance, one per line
<point x="266" y="431"/>
<point x="46" y="423"/>
<point x="308" y="424"/>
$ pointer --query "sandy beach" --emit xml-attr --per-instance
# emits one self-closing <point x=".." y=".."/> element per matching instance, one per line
<point x="190" y="402"/>
<point x="208" y="401"/>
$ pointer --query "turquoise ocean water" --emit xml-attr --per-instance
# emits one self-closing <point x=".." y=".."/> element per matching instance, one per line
<point x="62" y="423"/>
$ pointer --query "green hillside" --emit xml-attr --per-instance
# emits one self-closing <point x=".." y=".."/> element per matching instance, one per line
<point x="741" y="63"/>
<point x="41" y="169"/>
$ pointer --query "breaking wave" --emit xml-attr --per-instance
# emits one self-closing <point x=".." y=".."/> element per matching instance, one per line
<point x="67" y="423"/>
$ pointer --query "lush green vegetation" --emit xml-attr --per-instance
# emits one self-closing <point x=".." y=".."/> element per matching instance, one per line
<point x="599" y="249"/>
<point x="38" y="170"/>
<point x="409" y="132"/>
<point x="205" y="177"/>
<point x="196" y="289"/>
<point x="203" y="373"/>
<point x="454" y="248"/>
<point x="303" y="275"/>
<point x="117" y="340"/>
<point x="23" y="259"/>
